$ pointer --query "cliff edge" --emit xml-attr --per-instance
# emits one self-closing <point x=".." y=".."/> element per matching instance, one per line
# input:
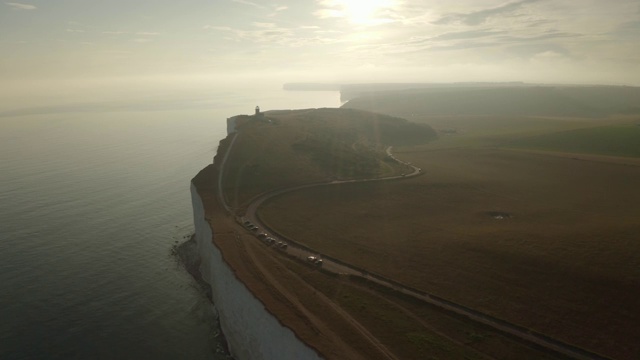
<point x="266" y="310"/>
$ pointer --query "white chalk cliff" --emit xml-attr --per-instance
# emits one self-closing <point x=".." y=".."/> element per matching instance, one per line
<point x="251" y="331"/>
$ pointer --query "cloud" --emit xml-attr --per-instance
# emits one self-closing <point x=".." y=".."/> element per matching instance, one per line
<point x="264" y="25"/>
<point x="272" y="35"/>
<point x="113" y="32"/>
<point x="467" y="35"/>
<point x="329" y="13"/>
<point x="370" y="12"/>
<point x="249" y="3"/>
<point x="480" y="17"/>
<point x="147" y="33"/>
<point x="538" y="23"/>
<point x="276" y="10"/>
<point x="628" y="30"/>
<point x="75" y="31"/>
<point x="497" y="36"/>
<point x="521" y="45"/>
<point x="214" y="27"/>
<point x="538" y="49"/>
<point x="20" y="6"/>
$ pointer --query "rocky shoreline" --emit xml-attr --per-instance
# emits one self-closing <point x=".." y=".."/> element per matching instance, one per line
<point x="186" y="254"/>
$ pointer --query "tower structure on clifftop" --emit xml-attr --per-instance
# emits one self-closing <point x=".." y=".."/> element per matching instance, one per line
<point x="257" y="110"/>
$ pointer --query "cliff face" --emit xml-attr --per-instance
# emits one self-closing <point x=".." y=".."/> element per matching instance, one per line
<point x="231" y="124"/>
<point x="251" y="331"/>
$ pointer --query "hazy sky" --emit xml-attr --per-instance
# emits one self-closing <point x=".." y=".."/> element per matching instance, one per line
<point x="571" y="41"/>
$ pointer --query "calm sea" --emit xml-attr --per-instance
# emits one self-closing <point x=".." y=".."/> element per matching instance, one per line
<point x="93" y="196"/>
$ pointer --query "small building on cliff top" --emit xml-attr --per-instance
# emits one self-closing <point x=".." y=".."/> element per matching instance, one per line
<point x="235" y="121"/>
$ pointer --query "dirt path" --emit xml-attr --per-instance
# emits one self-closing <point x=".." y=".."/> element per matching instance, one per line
<point x="424" y="324"/>
<point x="319" y="324"/>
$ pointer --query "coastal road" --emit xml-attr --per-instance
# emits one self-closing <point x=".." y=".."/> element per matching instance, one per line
<point x="300" y="251"/>
<point x="295" y="248"/>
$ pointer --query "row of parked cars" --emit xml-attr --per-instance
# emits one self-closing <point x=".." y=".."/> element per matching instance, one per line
<point x="271" y="241"/>
<point x="264" y="236"/>
<point x="316" y="260"/>
<point x="249" y="225"/>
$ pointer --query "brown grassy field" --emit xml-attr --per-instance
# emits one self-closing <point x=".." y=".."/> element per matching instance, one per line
<point x="321" y="308"/>
<point x="563" y="260"/>
<point x="524" y="218"/>
<point x="411" y="329"/>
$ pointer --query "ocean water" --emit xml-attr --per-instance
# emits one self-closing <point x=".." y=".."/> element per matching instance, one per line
<point x="93" y="195"/>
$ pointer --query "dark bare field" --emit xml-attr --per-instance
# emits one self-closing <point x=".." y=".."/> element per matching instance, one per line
<point x="563" y="259"/>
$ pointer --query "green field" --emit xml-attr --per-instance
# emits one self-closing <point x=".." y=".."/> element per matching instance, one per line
<point x="616" y="140"/>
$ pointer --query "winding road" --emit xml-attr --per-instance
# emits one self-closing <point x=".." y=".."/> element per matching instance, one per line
<point x="336" y="266"/>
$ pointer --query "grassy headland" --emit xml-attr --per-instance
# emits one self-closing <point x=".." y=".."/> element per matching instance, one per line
<point x="287" y="148"/>
<point x="528" y="212"/>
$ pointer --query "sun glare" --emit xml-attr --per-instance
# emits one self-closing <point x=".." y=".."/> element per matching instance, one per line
<point x="364" y="12"/>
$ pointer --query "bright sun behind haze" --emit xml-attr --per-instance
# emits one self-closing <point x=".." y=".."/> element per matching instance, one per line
<point x="359" y="12"/>
<point x="49" y="43"/>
